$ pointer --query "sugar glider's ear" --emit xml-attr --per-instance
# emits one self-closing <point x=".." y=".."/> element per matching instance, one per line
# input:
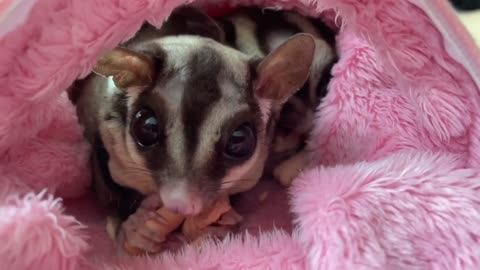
<point x="127" y="68"/>
<point x="188" y="20"/>
<point x="285" y="70"/>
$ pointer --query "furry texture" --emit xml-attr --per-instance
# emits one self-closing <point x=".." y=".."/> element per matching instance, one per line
<point x="394" y="182"/>
<point x="36" y="227"/>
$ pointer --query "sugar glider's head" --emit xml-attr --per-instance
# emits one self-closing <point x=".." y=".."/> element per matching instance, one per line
<point x="192" y="118"/>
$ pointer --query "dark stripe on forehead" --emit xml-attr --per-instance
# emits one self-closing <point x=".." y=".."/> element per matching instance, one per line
<point x="201" y="92"/>
<point x="214" y="169"/>
<point x="253" y="113"/>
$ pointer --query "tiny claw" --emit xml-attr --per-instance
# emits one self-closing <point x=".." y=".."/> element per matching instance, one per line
<point x="230" y="218"/>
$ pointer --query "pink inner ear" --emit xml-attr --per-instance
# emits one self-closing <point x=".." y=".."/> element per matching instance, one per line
<point x="128" y="68"/>
<point x="286" y="69"/>
<point x="263" y="85"/>
<point x="124" y="79"/>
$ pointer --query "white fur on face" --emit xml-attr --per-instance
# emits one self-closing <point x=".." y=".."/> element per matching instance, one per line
<point x="126" y="165"/>
<point x="175" y="144"/>
<point x="245" y="176"/>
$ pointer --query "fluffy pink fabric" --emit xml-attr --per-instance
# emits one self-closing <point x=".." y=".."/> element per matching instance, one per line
<point x="394" y="182"/>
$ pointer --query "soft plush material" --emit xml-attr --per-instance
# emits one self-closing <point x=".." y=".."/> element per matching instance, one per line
<point x="395" y="176"/>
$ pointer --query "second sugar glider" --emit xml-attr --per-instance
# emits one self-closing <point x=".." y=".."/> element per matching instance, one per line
<point x="259" y="32"/>
<point x="177" y="114"/>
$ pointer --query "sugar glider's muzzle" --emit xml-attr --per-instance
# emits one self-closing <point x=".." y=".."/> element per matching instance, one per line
<point x="182" y="200"/>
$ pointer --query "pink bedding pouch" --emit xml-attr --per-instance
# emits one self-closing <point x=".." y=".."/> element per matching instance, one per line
<point x="395" y="177"/>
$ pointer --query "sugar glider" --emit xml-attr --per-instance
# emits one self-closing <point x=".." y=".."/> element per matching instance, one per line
<point x="177" y="113"/>
<point x="257" y="33"/>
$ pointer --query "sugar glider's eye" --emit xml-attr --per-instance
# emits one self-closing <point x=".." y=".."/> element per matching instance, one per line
<point x="145" y="128"/>
<point x="241" y="143"/>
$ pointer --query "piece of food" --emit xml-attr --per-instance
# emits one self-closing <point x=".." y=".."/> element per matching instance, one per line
<point x="196" y="226"/>
<point x="161" y="226"/>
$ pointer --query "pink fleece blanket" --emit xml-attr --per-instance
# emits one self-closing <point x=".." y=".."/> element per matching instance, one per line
<point x="395" y="182"/>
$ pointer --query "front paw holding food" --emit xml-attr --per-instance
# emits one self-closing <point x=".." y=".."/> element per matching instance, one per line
<point x="146" y="229"/>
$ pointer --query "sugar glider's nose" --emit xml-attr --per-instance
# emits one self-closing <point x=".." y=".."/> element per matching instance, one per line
<point x="181" y="200"/>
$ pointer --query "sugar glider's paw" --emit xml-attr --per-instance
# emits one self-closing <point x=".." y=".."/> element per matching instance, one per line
<point x="286" y="171"/>
<point x="146" y="229"/>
